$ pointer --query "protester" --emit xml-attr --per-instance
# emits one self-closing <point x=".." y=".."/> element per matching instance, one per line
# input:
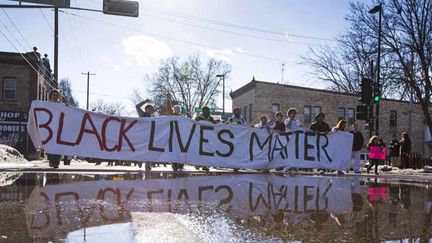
<point x="394" y="152"/>
<point x="279" y="124"/>
<point x="374" y="141"/>
<point x="356" y="148"/>
<point x="54" y="159"/>
<point x="340" y="126"/>
<point x="264" y="124"/>
<point x="148" y="112"/>
<point x="405" y="150"/>
<point x="148" y="109"/>
<point x="176" y="111"/>
<point x="320" y="125"/>
<point x="236" y="119"/>
<point x="292" y="123"/>
<point x="204" y="116"/>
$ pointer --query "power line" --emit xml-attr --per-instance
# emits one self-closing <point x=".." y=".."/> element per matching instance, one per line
<point x="238" y="33"/>
<point x="176" y="39"/>
<point x="39" y="65"/>
<point x="232" y="25"/>
<point x="46" y="20"/>
<point x="16" y="28"/>
<point x="28" y="62"/>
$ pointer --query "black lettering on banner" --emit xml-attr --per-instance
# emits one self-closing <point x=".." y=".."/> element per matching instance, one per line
<point x="260" y="197"/>
<point x="297" y="135"/>
<point x="152" y="138"/>
<point x="318" y="148"/>
<point x="204" y="140"/>
<point x="254" y="137"/>
<point x="170" y="142"/>
<point x="184" y="148"/>
<point x="306" y="197"/>
<point x="278" y="146"/>
<point x="224" y="141"/>
<point x="308" y="146"/>
<point x="325" y="146"/>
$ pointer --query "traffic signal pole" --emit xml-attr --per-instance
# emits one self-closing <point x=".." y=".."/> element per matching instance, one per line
<point x="378" y="88"/>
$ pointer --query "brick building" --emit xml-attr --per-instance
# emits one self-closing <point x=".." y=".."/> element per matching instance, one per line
<point x="265" y="98"/>
<point x="24" y="77"/>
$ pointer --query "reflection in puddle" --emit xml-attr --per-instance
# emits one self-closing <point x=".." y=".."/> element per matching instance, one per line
<point x="212" y="208"/>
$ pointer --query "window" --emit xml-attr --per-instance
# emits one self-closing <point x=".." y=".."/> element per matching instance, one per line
<point x="341" y="113"/>
<point x="250" y="113"/>
<point x="245" y="112"/>
<point x="9" y="88"/>
<point x="275" y="108"/>
<point x="307" y="115"/>
<point x="316" y="110"/>
<point x="350" y="116"/>
<point x="393" y="119"/>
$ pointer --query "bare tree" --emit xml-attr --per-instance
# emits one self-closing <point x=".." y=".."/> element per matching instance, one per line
<point x="406" y="51"/>
<point x="106" y="108"/>
<point x="188" y="83"/>
<point x="66" y="89"/>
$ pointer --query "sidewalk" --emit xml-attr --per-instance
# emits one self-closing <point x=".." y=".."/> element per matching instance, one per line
<point x="82" y="166"/>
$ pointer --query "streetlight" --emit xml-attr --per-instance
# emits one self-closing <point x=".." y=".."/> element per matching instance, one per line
<point x="223" y="93"/>
<point x="374" y="10"/>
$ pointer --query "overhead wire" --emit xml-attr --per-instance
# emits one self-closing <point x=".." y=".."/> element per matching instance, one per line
<point x="177" y="39"/>
<point x="238" y="33"/>
<point x="231" y="25"/>
<point x="46" y="20"/>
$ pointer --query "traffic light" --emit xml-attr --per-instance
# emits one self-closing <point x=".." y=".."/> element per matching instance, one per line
<point x="377" y="94"/>
<point x="121" y="7"/>
<point x="366" y="91"/>
<point x="362" y="112"/>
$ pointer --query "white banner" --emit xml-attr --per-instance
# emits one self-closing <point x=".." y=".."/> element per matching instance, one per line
<point x="61" y="129"/>
<point x="91" y="203"/>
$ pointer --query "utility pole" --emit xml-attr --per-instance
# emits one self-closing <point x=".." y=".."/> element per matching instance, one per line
<point x="88" y="86"/>
<point x="56" y="27"/>
<point x="223" y="93"/>
<point x="283" y="70"/>
<point x="378" y="8"/>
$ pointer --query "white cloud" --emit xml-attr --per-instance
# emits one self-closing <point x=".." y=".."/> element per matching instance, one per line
<point x="224" y="55"/>
<point x="145" y="49"/>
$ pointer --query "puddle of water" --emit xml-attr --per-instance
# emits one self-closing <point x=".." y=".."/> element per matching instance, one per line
<point x="143" y="207"/>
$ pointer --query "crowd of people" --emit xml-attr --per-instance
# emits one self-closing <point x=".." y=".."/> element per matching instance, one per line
<point x="397" y="155"/>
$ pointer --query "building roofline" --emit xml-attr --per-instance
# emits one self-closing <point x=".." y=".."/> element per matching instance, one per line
<point x="252" y="84"/>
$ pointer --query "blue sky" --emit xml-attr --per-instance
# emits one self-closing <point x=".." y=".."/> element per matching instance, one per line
<point x="254" y="36"/>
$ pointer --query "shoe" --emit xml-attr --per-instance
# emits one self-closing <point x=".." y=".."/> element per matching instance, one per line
<point x="236" y="170"/>
<point x="376" y="173"/>
<point x="339" y="172"/>
<point x="321" y="172"/>
<point x="55" y="167"/>
<point x="357" y="172"/>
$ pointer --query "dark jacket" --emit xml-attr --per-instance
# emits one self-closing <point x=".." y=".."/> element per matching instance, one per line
<point x="405" y="147"/>
<point x="394" y="148"/>
<point x="319" y="127"/>
<point x="358" y="141"/>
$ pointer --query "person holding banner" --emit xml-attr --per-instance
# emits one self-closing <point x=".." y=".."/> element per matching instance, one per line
<point x="356" y="148"/>
<point x="148" y="109"/>
<point x="236" y="119"/>
<point x="204" y="116"/>
<point x="279" y="124"/>
<point x="320" y="125"/>
<point x="292" y="123"/>
<point x="264" y="124"/>
<point x="340" y="126"/>
<point x="54" y="159"/>
<point x="377" y="153"/>
<point x="147" y="112"/>
<point x="176" y="111"/>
